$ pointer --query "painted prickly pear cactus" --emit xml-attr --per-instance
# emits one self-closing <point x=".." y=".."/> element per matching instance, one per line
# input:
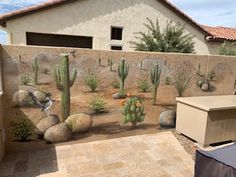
<point x="123" y="71"/>
<point x="63" y="83"/>
<point x="133" y="111"/>
<point x="155" y="76"/>
<point x="35" y="68"/>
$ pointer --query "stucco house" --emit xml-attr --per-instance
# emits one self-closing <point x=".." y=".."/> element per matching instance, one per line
<point x="103" y="24"/>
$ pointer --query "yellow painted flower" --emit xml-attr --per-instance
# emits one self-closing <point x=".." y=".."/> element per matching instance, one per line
<point x="138" y="104"/>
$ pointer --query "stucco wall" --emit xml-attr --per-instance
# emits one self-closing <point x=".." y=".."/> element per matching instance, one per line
<point x="1" y="130"/>
<point x="2" y="145"/>
<point x="95" y="18"/>
<point x="17" y="60"/>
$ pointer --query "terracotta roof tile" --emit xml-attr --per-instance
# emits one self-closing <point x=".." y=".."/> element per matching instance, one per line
<point x="221" y="32"/>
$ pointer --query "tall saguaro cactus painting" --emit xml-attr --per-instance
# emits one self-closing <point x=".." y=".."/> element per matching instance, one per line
<point x="123" y="70"/>
<point x="63" y="82"/>
<point x="155" y="79"/>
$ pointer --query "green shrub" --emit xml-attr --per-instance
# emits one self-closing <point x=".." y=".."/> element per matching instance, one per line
<point x="228" y="48"/>
<point x="25" y="80"/>
<point x="22" y="129"/>
<point x="143" y="84"/>
<point x="97" y="104"/>
<point x="115" y="83"/>
<point x="168" y="80"/>
<point x="173" y="38"/>
<point x="92" y="79"/>
<point x="133" y="111"/>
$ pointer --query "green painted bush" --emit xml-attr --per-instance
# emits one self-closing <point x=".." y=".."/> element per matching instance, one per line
<point x="143" y="84"/>
<point x="91" y="78"/>
<point x="25" y="80"/>
<point x="22" y="129"/>
<point x="115" y="83"/>
<point x="97" y="104"/>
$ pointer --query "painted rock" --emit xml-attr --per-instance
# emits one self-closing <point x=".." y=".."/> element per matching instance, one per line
<point x="58" y="133"/>
<point x="46" y="123"/>
<point x="22" y="98"/>
<point x="79" y="122"/>
<point x="167" y="119"/>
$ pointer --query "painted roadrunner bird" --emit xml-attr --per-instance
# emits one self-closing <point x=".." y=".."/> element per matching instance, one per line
<point x="45" y="106"/>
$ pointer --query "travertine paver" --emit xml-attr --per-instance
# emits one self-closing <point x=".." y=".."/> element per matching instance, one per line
<point x="152" y="155"/>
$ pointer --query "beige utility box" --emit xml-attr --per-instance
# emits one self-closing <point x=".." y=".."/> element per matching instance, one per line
<point x="207" y="119"/>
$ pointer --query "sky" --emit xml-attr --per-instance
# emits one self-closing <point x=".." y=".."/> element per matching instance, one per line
<point x="207" y="12"/>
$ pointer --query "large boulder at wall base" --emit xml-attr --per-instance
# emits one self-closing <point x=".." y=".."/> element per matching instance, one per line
<point x="167" y="119"/>
<point x="79" y="122"/>
<point x="46" y="123"/>
<point x="41" y="96"/>
<point x="22" y="98"/>
<point x="58" y="133"/>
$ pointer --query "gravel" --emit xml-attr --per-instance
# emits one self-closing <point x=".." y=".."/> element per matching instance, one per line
<point x="188" y="144"/>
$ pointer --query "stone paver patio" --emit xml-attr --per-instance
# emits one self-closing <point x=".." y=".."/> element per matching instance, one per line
<point x="152" y="155"/>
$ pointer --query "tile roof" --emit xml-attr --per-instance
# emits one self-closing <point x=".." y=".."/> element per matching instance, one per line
<point x="220" y="32"/>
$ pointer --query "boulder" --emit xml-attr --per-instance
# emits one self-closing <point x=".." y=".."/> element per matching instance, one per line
<point x="79" y="122"/>
<point x="58" y="133"/>
<point x="205" y="87"/>
<point x="200" y="83"/>
<point x="46" y="123"/>
<point x="167" y="119"/>
<point x="41" y="96"/>
<point x="22" y="98"/>
<point x="117" y="96"/>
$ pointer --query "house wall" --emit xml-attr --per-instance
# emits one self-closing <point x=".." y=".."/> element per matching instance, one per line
<point x="95" y="18"/>
<point x="2" y="148"/>
<point x="2" y="145"/>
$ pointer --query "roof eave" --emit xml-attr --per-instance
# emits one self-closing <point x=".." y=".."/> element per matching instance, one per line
<point x="217" y="39"/>
<point x="31" y="10"/>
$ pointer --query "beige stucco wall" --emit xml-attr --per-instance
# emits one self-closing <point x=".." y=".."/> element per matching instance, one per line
<point x="13" y="68"/>
<point x="2" y="149"/>
<point x="95" y="18"/>
<point x="1" y="130"/>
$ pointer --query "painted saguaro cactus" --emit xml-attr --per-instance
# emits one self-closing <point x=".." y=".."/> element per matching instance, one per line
<point x="110" y="63"/>
<point x="35" y="68"/>
<point x="123" y="70"/>
<point x="63" y="83"/>
<point x="155" y="79"/>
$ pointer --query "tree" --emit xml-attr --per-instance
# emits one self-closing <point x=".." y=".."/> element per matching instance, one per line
<point x="228" y="48"/>
<point x="172" y="39"/>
